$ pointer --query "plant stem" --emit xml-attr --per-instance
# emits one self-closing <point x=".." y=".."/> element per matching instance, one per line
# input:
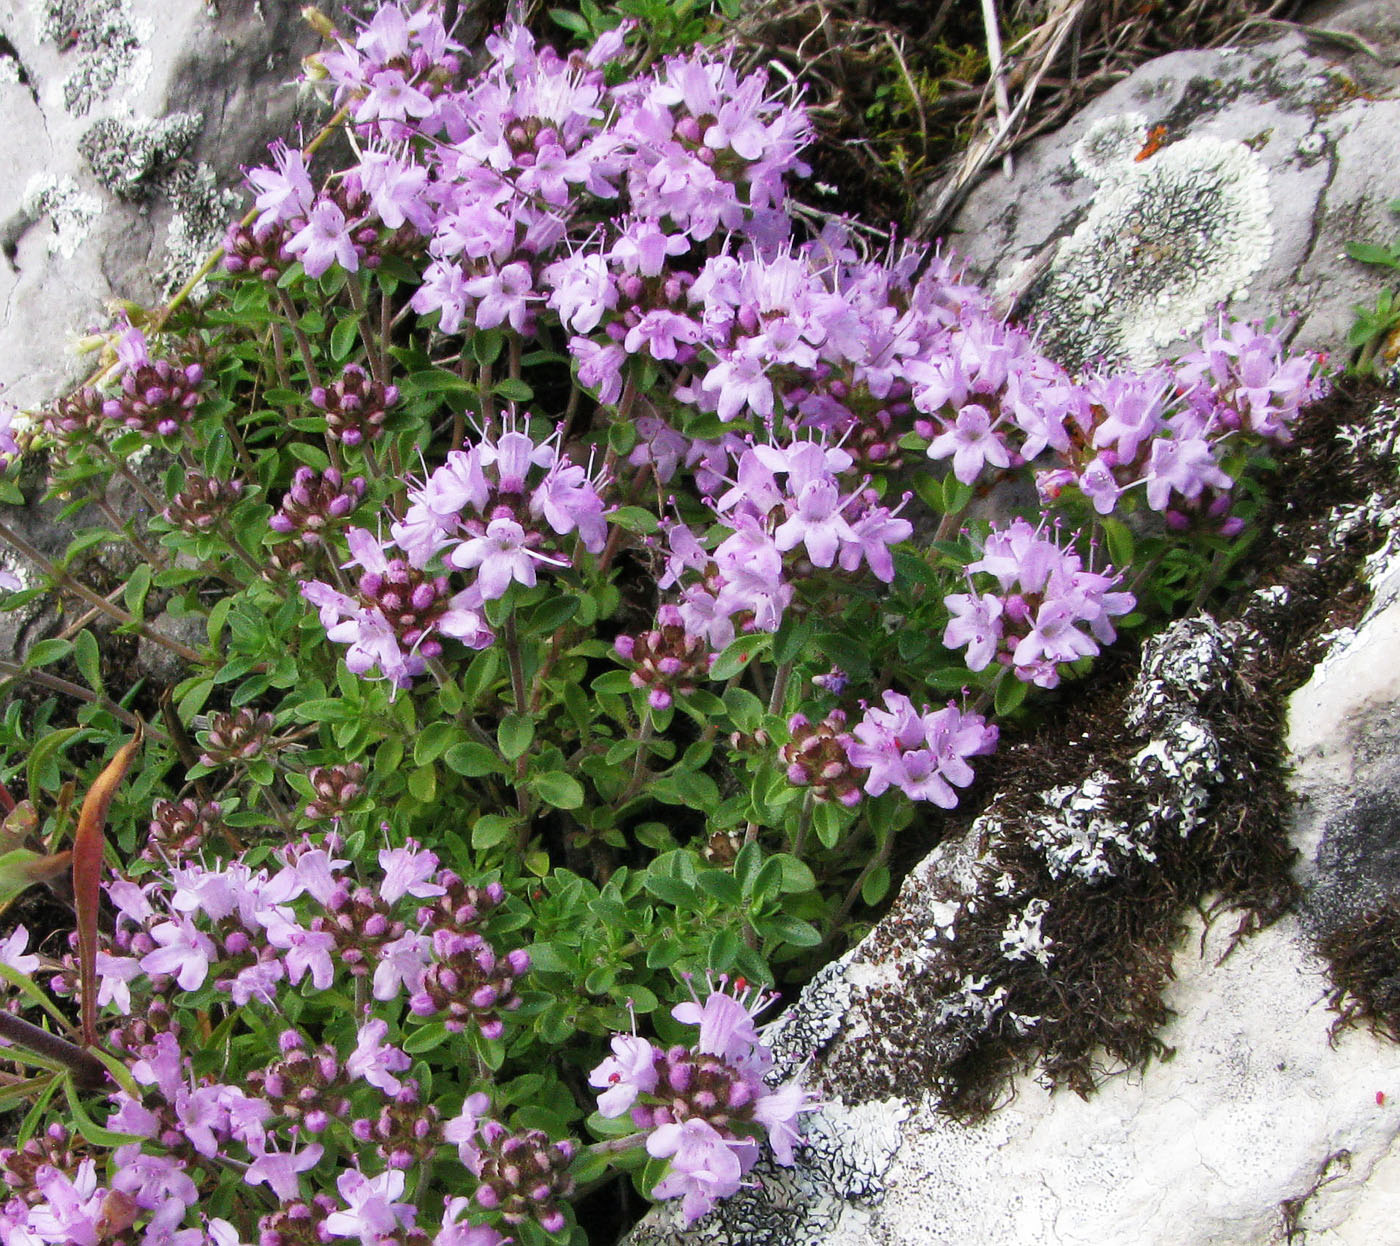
<point x="96" y="600"/>
<point x="639" y="765"/>
<point x="804" y="824"/>
<point x="780" y="683"/>
<point x="372" y="351"/>
<point x="879" y="858"/>
<point x="87" y="1070"/>
<point x="42" y="679"/>
<point x="290" y="312"/>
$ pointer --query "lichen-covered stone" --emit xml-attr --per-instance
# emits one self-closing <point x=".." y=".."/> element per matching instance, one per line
<point x="1271" y="161"/>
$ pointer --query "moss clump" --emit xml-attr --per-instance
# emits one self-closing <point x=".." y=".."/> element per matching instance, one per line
<point x="1364" y="959"/>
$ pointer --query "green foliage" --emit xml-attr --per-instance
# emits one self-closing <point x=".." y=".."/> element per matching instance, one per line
<point x="1376" y="326"/>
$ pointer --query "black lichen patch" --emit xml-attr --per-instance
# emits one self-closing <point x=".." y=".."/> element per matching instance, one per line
<point x="1063" y="973"/>
<point x="1364" y="958"/>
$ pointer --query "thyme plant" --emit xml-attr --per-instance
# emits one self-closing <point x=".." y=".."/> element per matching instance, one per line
<point x="580" y="562"/>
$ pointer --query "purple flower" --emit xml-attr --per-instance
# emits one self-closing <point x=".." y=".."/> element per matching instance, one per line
<point x="390" y="98"/>
<point x="503" y="295"/>
<point x="973" y="442"/>
<point x="1187" y="466"/>
<point x="976" y="623"/>
<point x="285" y="191"/>
<point x="12" y="951"/>
<point x="704" y="1166"/>
<point x="502" y="555"/>
<point x="375" y="1060"/>
<point x="371" y="1214"/>
<point x="184" y="952"/>
<point x="406" y="873"/>
<point x="622" y="1076"/>
<point x="280" y="1169"/>
<point x="777" y="1111"/>
<point x="325" y="240"/>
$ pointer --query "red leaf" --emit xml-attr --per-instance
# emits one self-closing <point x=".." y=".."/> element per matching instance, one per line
<point x="88" y="843"/>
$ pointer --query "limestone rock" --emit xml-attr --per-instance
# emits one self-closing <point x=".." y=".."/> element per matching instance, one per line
<point x="1266" y="165"/>
<point x="123" y="127"/>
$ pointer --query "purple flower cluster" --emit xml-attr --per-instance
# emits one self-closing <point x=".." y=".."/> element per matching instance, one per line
<point x="155" y="396"/>
<point x="923" y="754"/>
<point x="523" y="1175"/>
<point x="304" y="923"/>
<point x="704" y="1106"/>
<point x="1033" y="622"/>
<point x="394" y="622"/>
<point x="783" y="499"/>
<point x="667" y="660"/>
<point x="1170" y="428"/>
<point x="499" y="507"/>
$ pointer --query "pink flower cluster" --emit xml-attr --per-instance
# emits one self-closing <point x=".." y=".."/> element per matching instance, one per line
<point x="784" y="498"/>
<point x="924" y="754"/>
<point x="705" y="1106"/>
<point x="1033" y="622"/>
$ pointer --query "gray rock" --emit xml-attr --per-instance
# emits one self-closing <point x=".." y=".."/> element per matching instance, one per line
<point x="124" y="125"/>
<point x="1273" y="160"/>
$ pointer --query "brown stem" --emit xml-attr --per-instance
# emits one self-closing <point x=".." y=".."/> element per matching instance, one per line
<point x="59" y="576"/>
<point x="290" y="312"/>
<point x="89" y="1073"/>
<point x="372" y="353"/>
<point x="12" y="670"/>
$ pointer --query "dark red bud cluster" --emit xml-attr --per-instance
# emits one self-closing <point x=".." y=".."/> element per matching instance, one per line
<point x="355" y="406"/>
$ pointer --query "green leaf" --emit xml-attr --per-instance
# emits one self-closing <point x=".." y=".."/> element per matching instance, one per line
<point x="797" y="877"/>
<point x="46" y="652"/>
<point x="322" y="709"/>
<point x="538" y="864"/>
<point x="673" y="891"/>
<point x="422" y="784"/>
<point x="515" y="735"/>
<point x="1368" y="253"/>
<point x="487" y="345"/>
<point x="745" y="710"/>
<point x="613" y="682"/>
<point x="427" y="1038"/>
<point x="724" y="950"/>
<point x="687" y="788"/>
<point x="512" y="389"/>
<point x="722" y="885"/>
<point x="634" y="519"/>
<point x="876" y="885"/>
<point x="438" y="381"/>
<point x="571" y="22"/>
<point x="433" y="741"/>
<point x="558" y="789"/>
<point x="1010" y="693"/>
<point x="473" y="760"/>
<point x="738" y="654"/>
<point x="343" y="338"/>
<point x="792" y="930"/>
<point x="134" y="594"/>
<point x="87" y="658"/>
<point x="1119" y="538"/>
<point x="492" y="829"/>
<point x="793" y="638"/>
<point x="97" y="1135"/>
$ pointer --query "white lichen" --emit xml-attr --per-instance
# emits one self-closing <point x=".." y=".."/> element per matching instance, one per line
<point x="1165" y="241"/>
<point x="71" y="211"/>
<point x="1109" y="146"/>
<point x="1023" y="938"/>
<point x="111" y="46"/>
<point x="1078" y="834"/>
